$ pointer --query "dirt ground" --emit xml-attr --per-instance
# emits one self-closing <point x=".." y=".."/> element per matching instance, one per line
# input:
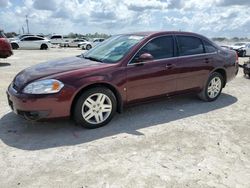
<point x="180" y="142"/>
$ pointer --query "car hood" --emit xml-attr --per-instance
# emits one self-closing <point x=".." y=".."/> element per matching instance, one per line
<point x="54" y="67"/>
<point x="237" y="47"/>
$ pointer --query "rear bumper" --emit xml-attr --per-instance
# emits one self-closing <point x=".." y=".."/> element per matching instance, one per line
<point x="37" y="107"/>
<point x="5" y="53"/>
<point x="232" y="72"/>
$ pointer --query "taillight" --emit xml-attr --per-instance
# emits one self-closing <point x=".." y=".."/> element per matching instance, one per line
<point x="237" y="58"/>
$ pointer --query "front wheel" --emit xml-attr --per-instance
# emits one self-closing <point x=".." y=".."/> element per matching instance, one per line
<point x="88" y="47"/>
<point x="14" y="46"/>
<point x="213" y="88"/>
<point x="95" y="108"/>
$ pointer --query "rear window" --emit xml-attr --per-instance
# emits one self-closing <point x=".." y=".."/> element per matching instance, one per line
<point x="189" y="45"/>
<point x="56" y="37"/>
<point x="209" y="47"/>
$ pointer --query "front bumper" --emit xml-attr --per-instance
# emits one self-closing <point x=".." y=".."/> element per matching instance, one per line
<point x="240" y="52"/>
<point x="37" y="107"/>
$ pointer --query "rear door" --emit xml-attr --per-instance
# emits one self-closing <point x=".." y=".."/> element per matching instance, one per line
<point x="155" y="77"/>
<point x="194" y="64"/>
<point x="37" y="42"/>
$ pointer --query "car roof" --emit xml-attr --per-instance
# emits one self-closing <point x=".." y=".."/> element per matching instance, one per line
<point x="33" y="36"/>
<point x="148" y="33"/>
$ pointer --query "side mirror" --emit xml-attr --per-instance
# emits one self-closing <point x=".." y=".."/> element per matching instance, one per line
<point x="144" y="57"/>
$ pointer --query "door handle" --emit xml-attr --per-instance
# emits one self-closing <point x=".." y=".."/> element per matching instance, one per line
<point x="206" y="60"/>
<point x="170" y="66"/>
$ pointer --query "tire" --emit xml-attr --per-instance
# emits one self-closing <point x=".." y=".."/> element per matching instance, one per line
<point x="244" y="54"/>
<point x="14" y="46"/>
<point x="214" y="84"/>
<point x="89" y="110"/>
<point x="88" y="47"/>
<point x="44" y="47"/>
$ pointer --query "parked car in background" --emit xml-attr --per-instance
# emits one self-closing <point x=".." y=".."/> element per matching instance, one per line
<point x="240" y="48"/>
<point x="88" y="44"/>
<point x="247" y="48"/>
<point x="58" y="39"/>
<point x="31" y="42"/>
<point x="227" y="47"/>
<point x="73" y="43"/>
<point x="19" y="37"/>
<point x="124" y="70"/>
<point x="5" y="47"/>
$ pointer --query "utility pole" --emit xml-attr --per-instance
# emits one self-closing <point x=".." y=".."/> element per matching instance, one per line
<point x="27" y="23"/>
<point x="23" y="29"/>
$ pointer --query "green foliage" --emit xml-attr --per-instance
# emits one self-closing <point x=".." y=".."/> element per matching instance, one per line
<point x="10" y="34"/>
<point x="89" y="35"/>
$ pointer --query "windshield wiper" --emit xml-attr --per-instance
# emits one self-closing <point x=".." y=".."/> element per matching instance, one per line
<point x="93" y="59"/>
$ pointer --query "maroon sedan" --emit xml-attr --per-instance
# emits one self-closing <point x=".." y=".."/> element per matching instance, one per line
<point x="5" y="47"/>
<point x="124" y="70"/>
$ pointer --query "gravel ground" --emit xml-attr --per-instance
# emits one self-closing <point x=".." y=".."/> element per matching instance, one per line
<point x="180" y="142"/>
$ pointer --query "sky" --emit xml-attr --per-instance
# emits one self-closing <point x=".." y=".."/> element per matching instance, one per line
<point x="213" y="18"/>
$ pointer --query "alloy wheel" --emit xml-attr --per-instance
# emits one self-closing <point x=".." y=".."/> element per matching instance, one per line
<point x="214" y="87"/>
<point x="96" y="108"/>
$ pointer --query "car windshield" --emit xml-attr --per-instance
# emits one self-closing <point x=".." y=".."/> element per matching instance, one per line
<point x="113" y="49"/>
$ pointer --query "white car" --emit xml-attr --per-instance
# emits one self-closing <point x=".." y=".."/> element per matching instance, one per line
<point x="88" y="44"/>
<point x="57" y="39"/>
<point x="247" y="48"/>
<point x="73" y="43"/>
<point x="242" y="49"/>
<point x="31" y="42"/>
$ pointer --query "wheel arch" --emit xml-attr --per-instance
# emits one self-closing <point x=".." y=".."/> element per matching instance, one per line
<point x="223" y="72"/>
<point x="44" y="44"/>
<point x="102" y="84"/>
<point x="14" y="43"/>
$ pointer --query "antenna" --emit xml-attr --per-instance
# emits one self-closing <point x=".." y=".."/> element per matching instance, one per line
<point x="27" y="23"/>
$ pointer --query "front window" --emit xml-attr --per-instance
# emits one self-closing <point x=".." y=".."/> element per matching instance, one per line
<point x="159" y="48"/>
<point x="113" y="49"/>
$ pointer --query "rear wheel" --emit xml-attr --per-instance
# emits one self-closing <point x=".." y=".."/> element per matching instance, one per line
<point x="14" y="46"/>
<point x="213" y="88"/>
<point x="44" y="47"/>
<point x="88" y="47"/>
<point x="95" y="108"/>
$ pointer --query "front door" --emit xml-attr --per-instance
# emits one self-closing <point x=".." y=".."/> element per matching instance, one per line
<point x="156" y="76"/>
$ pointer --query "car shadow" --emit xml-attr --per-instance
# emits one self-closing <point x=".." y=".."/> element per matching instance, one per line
<point x="19" y="133"/>
<point x="4" y="64"/>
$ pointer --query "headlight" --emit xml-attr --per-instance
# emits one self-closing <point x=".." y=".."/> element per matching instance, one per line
<point x="43" y="87"/>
